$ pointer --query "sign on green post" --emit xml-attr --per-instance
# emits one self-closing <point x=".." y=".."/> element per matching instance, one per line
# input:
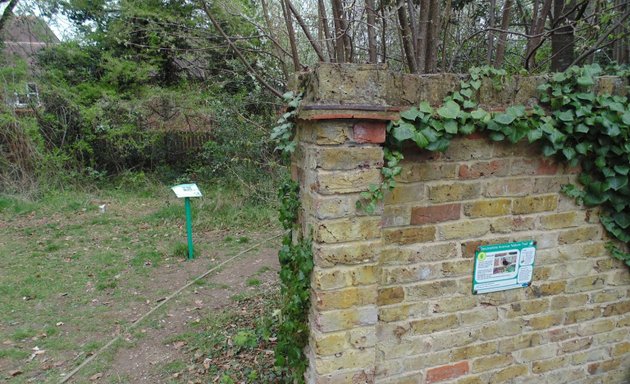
<point x="186" y="191"/>
<point x="499" y="267"/>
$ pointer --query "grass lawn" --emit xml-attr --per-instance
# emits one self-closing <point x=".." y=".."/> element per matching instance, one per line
<point x="72" y="277"/>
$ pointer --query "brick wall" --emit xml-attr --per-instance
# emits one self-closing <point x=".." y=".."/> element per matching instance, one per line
<point x="392" y="301"/>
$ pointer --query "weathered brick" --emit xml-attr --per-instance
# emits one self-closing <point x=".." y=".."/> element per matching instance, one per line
<point x="617" y="309"/>
<point x="454" y="339"/>
<point x="432" y="289"/>
<point x="545" y="321"/>
<point x="581" y="234"/>
<point x="348" y="359"/>
<point x="542" y="366"/>
<point x="409" y="273"/>
<point x="508" y="187"/>
<point x="551" y="184"/>
<point x="330" y="207"/>
<point x="474" y="350"/>
<point x="344" y="298"/>
<point x="469" y="247"/>
<point x="533" y="166"/>
<point x="548" y="289"/>
<point x="434" y="324"/>
<point x="347" y="376"/>
<point x="575" y="345"/>
<point x="464" y="229"/>
<point x="329" y="343"/>
<point x="534" y="204"/>
<point x="326" y="132"/>
<point x="457" y="268"/>
<point x="531" y="307"/>
<point x="392" y="295"/>
<point x="484" y="169"/>
<point x="560" y="220"/>
<point x="405" y="193"/>
<point x="462" y="148"/>
<point x="402" y="312"/>
<point x="540" y="352"/>
<point x="435" y="213"/>
<point x="361" y="338"/>
<point x="426" y="171"/>
<point x="418" y="253"/>
<point x="359" y="180"/>
<point x="419" y="362"/>
<point x="596" y="326"/>
<point x="508" y="373"/>
<point x="607" y="295"/>
<point x="587" y="283"/>
<point x="409" y="235"/>
<point x="328" y="255"/>
<point x="347" y="158"/>
<point x="502" y="329"/>
<point x="447" y="372"/>
<point x="604" y="366"/>
<point x="396" y="216"/>
<point x="582" y="314"/>
<point x="520" y="342"/>
<point x="492" y="362"/>
<point x="453" y="304"/>
<point x="508" y="224"/>
<point x="336" y="278"/>
<point x="488" y="208"/>
<point x="441" y="193"/>
<point x="341" y="230"/>
<point x="369" y="132"/>
<point x="480" y="316"/>
<point x="620" y="349"/>
<point x="331" y="321"/>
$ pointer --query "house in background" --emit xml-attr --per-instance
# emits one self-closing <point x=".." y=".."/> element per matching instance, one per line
<point x="22" y="38"/>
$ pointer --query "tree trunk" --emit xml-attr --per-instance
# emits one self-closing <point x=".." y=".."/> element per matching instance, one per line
<point x="446" y="21"/>
<point x="538" y="26"/>
<point x="405" y="31"/>
<point x="434" y="37"/>
<point x="383" y="36"/>
<point x="340" y="50"/>
<point x="493" y="5"/>
<point x="291" y="34"/>
<point x="323" y="19"/>
<point x="501" y="43"/>
<point x="274" y="38"/>
<point x="423" y="33"/>
<point x="307" y="33"/>
<point x="563" y="38"/>
<point x="621" y="46"/>
<point x="7" y="13"/>
<point x="371" y="31"/>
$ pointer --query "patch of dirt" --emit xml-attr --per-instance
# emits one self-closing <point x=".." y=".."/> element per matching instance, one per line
<point x="143" y="358"/>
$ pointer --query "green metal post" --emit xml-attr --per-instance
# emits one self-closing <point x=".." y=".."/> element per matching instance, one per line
<point x="189" y="228"/>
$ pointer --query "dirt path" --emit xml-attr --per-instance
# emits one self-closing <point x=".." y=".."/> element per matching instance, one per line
<point x="146" y="352"/>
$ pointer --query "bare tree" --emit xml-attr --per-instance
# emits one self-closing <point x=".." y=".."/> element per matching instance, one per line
<point x="501" y="43"/>
<point x="8" y="12"/>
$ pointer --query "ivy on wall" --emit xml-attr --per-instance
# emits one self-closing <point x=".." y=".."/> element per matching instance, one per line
<point x="572" y="123"/>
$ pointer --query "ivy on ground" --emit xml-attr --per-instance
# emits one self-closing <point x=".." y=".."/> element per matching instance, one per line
<point x="572" y="123"/>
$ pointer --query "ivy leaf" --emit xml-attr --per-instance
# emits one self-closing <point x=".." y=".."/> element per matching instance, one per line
<point x="583" y="148"/>
<point x="504" y="118"/>
<point x="449" y="110"/>
<point x="581" y="128"/>
<point x="404" y="131"/>
<point x="469" y="104"/>
<point x="497" y="136"/>
<point x="591" y="199"/>
<point x="569" y="153"/>
<point x="476" y="84"/>
<point x="548" y="150"/>
<point x="622" y="219"/>
<point x="410" y="114"/>
<point x="467" y="129"/>
<point x="613" y="130"/>
<point x="622" y="169"/>
<point x="425" y="107"/>
<point x="588" y="96"/>
<point x="534" y="134"/>
<point x="420" y="140"/>
<point x="559" y="77"/>
<point x="478" y="114"/>
<point x="430" y="134"/>
<point x="585" y="81"/>
<point x="450" y="126"/>
<point x="466" y="92"/>
<point x="625" y="118"/>
<point x="566" y="116"/>
<point x="617" y="182"/>
<point x="440" y="145"/>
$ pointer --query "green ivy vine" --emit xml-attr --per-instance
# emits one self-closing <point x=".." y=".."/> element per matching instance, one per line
<point x="572" y="123"/>
<point x="296" y="259"/>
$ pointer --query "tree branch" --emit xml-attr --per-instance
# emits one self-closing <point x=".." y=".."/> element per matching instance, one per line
<point x="237" y="51"/>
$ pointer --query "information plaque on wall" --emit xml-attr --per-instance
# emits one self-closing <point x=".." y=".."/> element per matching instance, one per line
<point x="500" y="267"/>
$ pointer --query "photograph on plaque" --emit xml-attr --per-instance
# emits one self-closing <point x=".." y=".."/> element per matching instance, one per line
<point x="499" y="267"/>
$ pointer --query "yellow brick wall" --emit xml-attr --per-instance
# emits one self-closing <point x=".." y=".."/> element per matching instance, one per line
<point x="391" y="291"/>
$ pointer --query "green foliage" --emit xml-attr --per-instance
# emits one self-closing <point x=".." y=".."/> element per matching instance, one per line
<point x="579" y="127"/>
<point x="284" y="131"/>
<point x="296" y="264"/>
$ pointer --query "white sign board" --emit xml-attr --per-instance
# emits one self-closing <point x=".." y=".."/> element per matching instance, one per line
<point x="186" y="190"/>
<point x="504" y="266"/>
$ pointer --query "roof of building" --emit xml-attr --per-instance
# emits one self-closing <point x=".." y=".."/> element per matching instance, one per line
<point x="23" y="36"/>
